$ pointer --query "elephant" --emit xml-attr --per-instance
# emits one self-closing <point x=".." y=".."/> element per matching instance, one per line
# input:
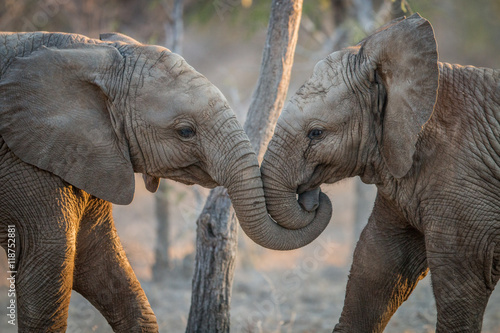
<point x="427" y="134"/>
<point x="78" y="117"/>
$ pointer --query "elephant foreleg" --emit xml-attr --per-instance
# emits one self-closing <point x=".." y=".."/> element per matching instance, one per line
<point x="104" y="276"/>
<point x="389" y="260"/>
<point x="463" y="278"/>
<point x="45" y="277"/>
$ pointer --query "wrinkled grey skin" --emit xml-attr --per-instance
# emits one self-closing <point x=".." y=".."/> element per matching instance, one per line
<point x="78" y="118"/>
<point x="427" y="134"/>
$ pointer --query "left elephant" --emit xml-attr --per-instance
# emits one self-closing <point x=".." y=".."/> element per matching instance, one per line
<point x="78" y="117"/>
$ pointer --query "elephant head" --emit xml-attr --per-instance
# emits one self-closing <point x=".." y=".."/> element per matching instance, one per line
<point x="95" y="112"/>
<point x="359" y="114"/>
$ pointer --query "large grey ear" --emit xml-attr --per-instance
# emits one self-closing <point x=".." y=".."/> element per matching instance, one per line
<point x="55" y="116"/>
<point x="405" y="57"/>
<point x="117" y="37"/>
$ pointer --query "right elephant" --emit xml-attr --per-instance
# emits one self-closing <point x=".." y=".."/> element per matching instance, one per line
<point x="427" y="134"/>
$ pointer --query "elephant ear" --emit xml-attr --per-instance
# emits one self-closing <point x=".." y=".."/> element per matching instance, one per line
<point x="405" y="58"/>
<point x="55" y="116"/>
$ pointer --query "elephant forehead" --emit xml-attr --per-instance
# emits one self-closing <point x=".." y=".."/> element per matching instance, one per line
<point x="203" y="96"/>
<point x="324" y="79"/>
<point x="172" y="83"/>
<point x="196" y="98"/>
<point x="326" y="95"/>
<point x="297" y="117"/>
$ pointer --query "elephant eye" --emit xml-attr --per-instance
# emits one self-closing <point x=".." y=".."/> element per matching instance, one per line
<point x="186" y="132"/>
<point x="315" y="133"/>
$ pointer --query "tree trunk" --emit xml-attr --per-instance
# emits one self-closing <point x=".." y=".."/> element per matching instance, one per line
<point x="340" y="37"/>
<point x="216" y="239"/>
<point x="274" y="78"/>
<point x="216" y="242"/>
<point x="174" y="28"/>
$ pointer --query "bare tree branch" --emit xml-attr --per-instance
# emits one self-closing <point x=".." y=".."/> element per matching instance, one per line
<point x="272" y="86"/>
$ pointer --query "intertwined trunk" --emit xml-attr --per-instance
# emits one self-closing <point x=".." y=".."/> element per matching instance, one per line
<point x="217" y="231"/>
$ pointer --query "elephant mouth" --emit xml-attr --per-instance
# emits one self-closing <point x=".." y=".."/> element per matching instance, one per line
<point x="309" y="192"/>
<point x="314" y="181"/>
<point x="322" y="174"/>
<point x="193" y="174"/>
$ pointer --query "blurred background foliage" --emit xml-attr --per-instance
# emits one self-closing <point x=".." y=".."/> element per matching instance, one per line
<point x="470" y="29"/>
<point x="223" y="38"/>
<point x="468" y="32"/>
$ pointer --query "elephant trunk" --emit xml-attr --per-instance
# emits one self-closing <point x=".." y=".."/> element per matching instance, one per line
<point x="280" y="188"/>
<point x="244" y="185"/>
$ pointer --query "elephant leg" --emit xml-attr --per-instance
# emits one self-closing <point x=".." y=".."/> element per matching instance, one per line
<point x="462" y="282"/>
<point x="388" y="262"/>
<point x="104" y="276"/>
<point x="45" y="275"/>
